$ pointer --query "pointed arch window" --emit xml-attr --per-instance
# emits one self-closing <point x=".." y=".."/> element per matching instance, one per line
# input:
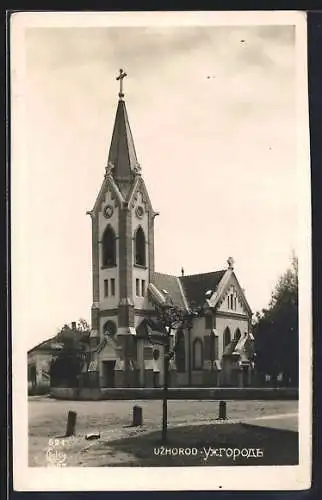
<point x="197" y="354"/>
<point x="109" y="328"/>
<point x="109" y="247"/>
<point x="180" y="352"/>
<point x="227" y="337"/>
<point x="237" y="334"/>
<point x="139" y="247"/>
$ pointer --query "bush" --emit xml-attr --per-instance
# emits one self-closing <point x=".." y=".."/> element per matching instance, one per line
<point x="38" y="390"/>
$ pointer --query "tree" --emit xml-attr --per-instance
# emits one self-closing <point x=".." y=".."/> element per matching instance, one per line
<point x="67" y="366"/>
<point x="169" y="318"/>
<point x="276" y="329"/>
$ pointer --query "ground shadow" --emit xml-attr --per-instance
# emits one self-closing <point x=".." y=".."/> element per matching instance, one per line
<point x="209" y="445"/>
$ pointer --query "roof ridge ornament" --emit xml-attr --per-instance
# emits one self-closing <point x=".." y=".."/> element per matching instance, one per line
<point x="109" y="168"/>
<point x="230" y="262"/>
<point x="137" y="169"/>
<point x="120" y="79"/>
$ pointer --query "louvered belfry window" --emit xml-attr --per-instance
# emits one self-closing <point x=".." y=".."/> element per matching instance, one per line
<point x="140" y="258"/>
<point x="109" y="247"/>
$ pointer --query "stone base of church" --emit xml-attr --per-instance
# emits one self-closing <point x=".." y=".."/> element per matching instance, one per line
<point x="173" y="379"/>
<point x="148" y="378"/>
<point x="126" y="379"/>
<point x="151" y="379"/>
<point x="131" y="374"/>
<point x="211" y="378"/>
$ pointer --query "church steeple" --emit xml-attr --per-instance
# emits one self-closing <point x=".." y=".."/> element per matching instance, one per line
<point x="122" y="249"/>
<point x="122" y="160"/>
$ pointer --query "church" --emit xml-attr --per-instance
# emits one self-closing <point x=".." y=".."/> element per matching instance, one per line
<point x="213" y="343"/>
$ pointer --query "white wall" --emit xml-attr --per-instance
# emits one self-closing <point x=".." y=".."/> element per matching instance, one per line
<point x="42" y="362"/>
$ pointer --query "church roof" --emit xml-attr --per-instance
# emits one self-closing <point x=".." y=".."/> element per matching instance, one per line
<point x="172" y="285"/>
<point x="195" y="286"/>
<point x="122" y="156"/>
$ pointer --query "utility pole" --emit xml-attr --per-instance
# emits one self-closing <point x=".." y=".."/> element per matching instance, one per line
<point x="171" y="318"/>
<point x="165" y="386"/>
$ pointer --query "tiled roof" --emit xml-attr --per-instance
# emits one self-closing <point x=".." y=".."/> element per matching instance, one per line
<point x="196" y="285"/>
<point x="122" y="151"/>
<point x="172" y="285"/>
<point x="47" y="345"/>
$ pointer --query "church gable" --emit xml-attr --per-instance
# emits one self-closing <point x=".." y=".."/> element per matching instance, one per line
<point x="108" y="198"/>
<point x="107" y="349"/>
<point x="232" y="298"/>
<point x="232" y="301"/>
<point x="109" y="193"/>
<point x="139" y="195"/>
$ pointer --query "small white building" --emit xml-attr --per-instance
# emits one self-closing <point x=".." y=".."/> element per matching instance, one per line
<point x="39" y="361"/>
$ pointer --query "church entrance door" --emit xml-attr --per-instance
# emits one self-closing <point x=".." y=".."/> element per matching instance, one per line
<point x="108" y="373"/>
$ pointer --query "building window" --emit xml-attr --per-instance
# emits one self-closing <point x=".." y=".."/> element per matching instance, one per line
<point x="140" y="258"/>
<point x="109" y="247"/>
<point x="227" y="337"/>
<point x="197" y="354"/>
<point x="113" y="287"/>
<point x="32" y="375"/>
<point x="143" y="288"/>
<point x="237" y="334"/>
<point x="180" y="351"/>
<point x="235" y="303"/>
<point x="105" y="288"/>
<point x="137" y="287"/>
<point x="215" y="347"/>
<point x="156" y="354"/>
<point x="109" y="328"/>
<point x="209" y="322"/>
<point x="211" y="347"/>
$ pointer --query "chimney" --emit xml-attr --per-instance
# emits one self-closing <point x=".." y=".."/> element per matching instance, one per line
<point x="73" y="325"/>
<point x="182" y="271"/>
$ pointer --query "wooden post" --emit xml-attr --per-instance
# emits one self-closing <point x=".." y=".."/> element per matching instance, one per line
<point x="71" y="423"/>
<point x="137" y="418"/>
<point x="222" y="410"/>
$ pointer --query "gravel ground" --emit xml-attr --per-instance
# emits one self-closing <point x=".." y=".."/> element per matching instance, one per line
<point x="48" y="417"/>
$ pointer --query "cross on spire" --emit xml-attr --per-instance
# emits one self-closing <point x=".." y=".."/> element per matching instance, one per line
<point x="120" y="79"/>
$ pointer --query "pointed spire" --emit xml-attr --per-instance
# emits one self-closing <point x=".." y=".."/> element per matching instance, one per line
<point x="122" y="160"/>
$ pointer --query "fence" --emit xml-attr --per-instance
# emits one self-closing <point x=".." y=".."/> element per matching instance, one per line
<point x="192" y="393"/>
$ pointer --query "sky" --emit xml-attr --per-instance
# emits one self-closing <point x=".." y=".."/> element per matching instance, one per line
<point x="213" y="115"/>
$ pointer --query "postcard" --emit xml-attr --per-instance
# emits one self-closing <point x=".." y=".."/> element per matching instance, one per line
<point x="161" y="251"/>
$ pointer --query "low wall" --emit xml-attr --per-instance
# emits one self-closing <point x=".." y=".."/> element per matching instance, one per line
<point x="38" y="390"/>
<point x="211" y="394"/>
<point x="70" y="393"/>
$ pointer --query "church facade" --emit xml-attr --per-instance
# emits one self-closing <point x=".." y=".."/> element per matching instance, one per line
<point x="214" y="345"/>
